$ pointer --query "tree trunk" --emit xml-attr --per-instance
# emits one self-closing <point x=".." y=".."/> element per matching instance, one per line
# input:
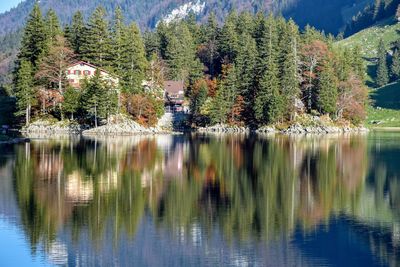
<point x="27" y="116"/>
<point x="95" y="116"/>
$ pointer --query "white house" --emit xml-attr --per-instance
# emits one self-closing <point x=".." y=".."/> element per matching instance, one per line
<point x="81" y="70"/>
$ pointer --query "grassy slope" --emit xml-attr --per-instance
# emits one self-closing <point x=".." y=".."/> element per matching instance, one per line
<point x="385" y="108"/>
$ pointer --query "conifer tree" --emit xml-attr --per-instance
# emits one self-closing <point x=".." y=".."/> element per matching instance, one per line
<point x="245" y="63"/>
<point x="94" y="97"/>
<point x="52" y="26"/>
<point x="358" y="62"/>
<point x="290" y="66"/>
<point x="71" y="101"/>
<point x="24" y="90"/>
<point x="269" y="102"/>
<point x="77" y="33"/>
<point x="118" y="31"/>
<point x="97" y="42"/>
<point x="395" y="67"/>
<point x="133" y="59"/>
<point x="211" y="44"/>
<point x="228" y="40"/>
<point x="327" y="89"/>
<point x="180" y="52"/>
<point x="226" y="95"/>
<point x="382" y="76"/>
<point x="34" y="40"/>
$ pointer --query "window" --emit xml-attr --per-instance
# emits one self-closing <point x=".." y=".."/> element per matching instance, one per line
<point x="68" y="72"/>
<point x="86" y="72"/>
<point x="77" y="72"/>
<point x="71" y="80"/>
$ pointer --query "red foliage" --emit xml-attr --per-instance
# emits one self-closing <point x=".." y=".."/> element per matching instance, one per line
<point x="142" y="108"/>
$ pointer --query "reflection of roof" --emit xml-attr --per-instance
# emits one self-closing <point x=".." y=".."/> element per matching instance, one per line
<point x="174" y="87"/>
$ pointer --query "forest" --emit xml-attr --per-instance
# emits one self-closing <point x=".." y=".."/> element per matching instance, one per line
<point x="252" y="70"/>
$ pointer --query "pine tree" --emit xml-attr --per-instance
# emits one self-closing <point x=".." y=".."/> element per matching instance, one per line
<point x="226" y="95"/>
<point x="395" y="67"/>
<point x="71" y="101"/>
<point x="52" y="26"/>
<point x="24" y="90"/>
<point x="34" y="40"/>
<point x="245" y="63"/>
<point x="97" y="43"/>
<point x="327" y="89"/>
<point x="358" y="63"/>
<point x="180" y="52"/>
<point x="133" y="59"/>
<point x="382" y="76"/>
<point x="228" y="39"/>
<point x="118" y="31"/>
<point x="77" y="34"/>
<point x="290" y="66"/>
<point x="268" y="105"/>
<point x="94" y="97"/>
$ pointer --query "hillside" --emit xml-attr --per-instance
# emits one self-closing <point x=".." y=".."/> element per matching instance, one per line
<point x="326" y="15"/>
<point x="385" y="101"/>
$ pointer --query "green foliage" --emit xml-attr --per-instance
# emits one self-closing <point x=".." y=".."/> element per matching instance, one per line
<point x="71" y="101"/>
<point x="96" y="47"/>
<point x="382" y="75"/>
<point x="395" y="67"/>
<point x="327" y="89"/>
<point x="24" y="90"/>
<point x="132" y="61"/>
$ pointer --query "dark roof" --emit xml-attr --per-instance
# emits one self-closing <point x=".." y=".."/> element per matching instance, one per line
<point x="173" y="87"/>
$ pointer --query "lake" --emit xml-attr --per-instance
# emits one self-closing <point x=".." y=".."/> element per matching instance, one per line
<point x="201" y="200"/>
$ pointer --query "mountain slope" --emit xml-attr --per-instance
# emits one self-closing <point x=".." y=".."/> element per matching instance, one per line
<point x="327" y="15"/>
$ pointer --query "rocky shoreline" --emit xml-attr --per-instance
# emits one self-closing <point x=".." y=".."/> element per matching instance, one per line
<point x="292" y="129"/>
<point x="120" y="126"/>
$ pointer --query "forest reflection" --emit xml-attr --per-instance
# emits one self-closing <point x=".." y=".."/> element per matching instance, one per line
<point x="249" y="188"/>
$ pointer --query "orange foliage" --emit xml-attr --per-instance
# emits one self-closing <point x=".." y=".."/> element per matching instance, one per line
<point x="141" y="107"/>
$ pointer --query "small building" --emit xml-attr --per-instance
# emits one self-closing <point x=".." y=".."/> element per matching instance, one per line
<point x="174" y="94"/>
<point x="82" y="70"/>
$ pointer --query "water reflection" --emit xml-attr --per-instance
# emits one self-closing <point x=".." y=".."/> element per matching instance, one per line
<point x="267" y="200"/>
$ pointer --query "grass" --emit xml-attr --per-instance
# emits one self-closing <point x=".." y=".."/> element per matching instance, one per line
<point x="368" y="40"/>
<point x="385" y="109"/>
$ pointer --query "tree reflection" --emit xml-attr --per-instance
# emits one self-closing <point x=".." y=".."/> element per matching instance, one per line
<point x="248" y="187"/>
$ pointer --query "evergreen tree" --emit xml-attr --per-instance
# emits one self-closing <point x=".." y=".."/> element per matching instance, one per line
<point x="211" y="33"/>
<point x="180" y="52"/>
<point x="395" y="67"/>
<point x="71" y="101"/>
<point x="52" y="26"/>
<point x="34" y="40"/>
<point x="97" y="44"/>
<point x="269" y="102"/>
<point x="327" y="89"/>
<point x="245" y="63"/>
<point x="94" y="98"/>
<point x="118" y="31"/>
<point x="77" y="33"/>
<point x="227" y="92"/>
<point x="24" y="90"/>
<point x="133" y="59"/>
<point x="382" y="76"/>
<point x="290" y="66"/>
<point x="228" y="39"/>
<point x="358" y="63"/>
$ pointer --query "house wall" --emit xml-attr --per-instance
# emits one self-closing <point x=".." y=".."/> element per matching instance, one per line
<point x="88" y="72"/>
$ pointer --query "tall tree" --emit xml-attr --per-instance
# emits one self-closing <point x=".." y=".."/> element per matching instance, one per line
<point x="97" y="42"/>
<point x="395" y="67"/>
<point x="118" y="31"/>
<point x="24" y="90"/>
<point x="34" y="40"/>
<point x="52" y="26"/>
<point x="226" y="96"/>
<point x="327" y="88"/>
<point x="382" y="76"/>
<point x="290" y="69"/>
<point x="77" y="33"/>
<point x="228" y="39"/>
<point x="133" y="59"/>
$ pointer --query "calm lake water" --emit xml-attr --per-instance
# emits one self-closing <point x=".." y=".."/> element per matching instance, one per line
<point x="200" y="200"/>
